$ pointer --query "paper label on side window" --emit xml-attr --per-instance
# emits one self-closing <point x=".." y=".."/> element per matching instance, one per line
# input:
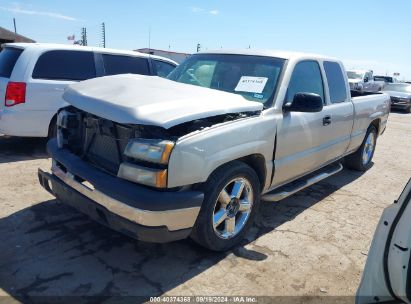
<point x="251" y="84"/>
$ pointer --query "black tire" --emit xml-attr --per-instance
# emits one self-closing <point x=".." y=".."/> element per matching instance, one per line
<point x="408" y="110"/>
<point x="203" y="231"/>
<point x="355" y="160"/>
<point x="52" y="129"/>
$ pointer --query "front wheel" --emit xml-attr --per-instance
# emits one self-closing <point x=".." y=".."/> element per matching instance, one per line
<point x="361" y="159"/>
<point x="231" y="200"/>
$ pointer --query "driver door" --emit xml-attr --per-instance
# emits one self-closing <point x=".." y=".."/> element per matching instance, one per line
<point x="301" y="136"/>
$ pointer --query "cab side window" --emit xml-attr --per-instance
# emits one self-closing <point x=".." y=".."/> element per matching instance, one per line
<point x="306" y="78"/>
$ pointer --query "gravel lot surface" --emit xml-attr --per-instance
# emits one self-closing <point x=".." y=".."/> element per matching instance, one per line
<point x="314" y="243"/>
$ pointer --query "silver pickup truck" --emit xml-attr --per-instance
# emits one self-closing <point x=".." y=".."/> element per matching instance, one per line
<point x="193" y="155"/>
<point x="364" y="81"/>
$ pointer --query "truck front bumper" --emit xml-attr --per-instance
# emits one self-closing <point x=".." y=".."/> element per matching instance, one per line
<point x="145" y="214"/>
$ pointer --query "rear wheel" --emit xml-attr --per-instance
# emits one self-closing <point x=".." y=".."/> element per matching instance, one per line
<point x="231" y="200"/>
<point x="408" y="110"/>
<point x="361" y="159"/>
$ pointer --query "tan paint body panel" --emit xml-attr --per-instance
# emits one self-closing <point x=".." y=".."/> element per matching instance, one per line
<point x="303" y="145"/>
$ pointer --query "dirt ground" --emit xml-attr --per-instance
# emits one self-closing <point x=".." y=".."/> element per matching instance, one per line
<point x="313" y="243"/>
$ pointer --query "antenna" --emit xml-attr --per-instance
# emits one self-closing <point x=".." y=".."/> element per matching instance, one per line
<point x="103" y="34"/>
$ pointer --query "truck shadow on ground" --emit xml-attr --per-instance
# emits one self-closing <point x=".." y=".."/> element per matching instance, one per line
<point x="13" y="149"/>
<point x="52" y="250"/>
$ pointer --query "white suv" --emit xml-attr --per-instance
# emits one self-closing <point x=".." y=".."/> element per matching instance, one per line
<point x="33" y="77"/>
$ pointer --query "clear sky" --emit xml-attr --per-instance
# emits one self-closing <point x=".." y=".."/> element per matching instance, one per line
<point x="366" y="34"/>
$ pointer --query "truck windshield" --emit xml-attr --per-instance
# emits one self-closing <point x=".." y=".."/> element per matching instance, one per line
<point x="253" y="77"/>
<point x="354" y="75"/>
<point x="400" y="87"/>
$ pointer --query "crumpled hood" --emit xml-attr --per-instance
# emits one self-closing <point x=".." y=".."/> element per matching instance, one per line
<point x="151" y="100"/>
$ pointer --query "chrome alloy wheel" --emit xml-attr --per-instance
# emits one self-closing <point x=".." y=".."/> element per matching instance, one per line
<point x="368" y="148"/>
<point x="233" y="208"/>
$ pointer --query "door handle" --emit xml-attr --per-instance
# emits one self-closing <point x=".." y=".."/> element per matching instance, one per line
<point x="327" y="120"/>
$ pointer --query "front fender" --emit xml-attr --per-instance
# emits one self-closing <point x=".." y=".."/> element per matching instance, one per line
<point x="197" y="155"/>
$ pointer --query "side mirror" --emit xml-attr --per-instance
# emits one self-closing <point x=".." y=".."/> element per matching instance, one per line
<point x="305" y="102"/>
<point x="366" y="79"/>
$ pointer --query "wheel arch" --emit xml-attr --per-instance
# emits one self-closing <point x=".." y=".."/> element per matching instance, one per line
<point x="255" y="162"/>
<point x="377" y="124"/>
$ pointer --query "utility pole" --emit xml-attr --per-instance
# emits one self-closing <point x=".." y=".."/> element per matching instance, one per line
<point x="84" y="36"/>
<point x="15" y="28"/>
<point x="198" y="47"/>
<point x="103" y="32"/>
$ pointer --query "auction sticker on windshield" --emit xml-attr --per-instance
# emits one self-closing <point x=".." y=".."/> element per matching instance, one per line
<point x="251" y="84"/>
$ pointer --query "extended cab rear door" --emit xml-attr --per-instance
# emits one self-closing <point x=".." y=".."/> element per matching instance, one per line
<point x="387" y="273"/>
<point x="339" y="109"/>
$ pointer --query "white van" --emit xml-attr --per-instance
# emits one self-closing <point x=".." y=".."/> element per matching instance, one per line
<point x="33" y="77"/>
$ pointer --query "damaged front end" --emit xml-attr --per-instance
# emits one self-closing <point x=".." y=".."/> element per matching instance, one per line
<point x="93" y="160"/>
<point x="138" y="153"/>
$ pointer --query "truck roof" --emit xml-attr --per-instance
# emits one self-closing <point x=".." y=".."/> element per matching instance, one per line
<point x="56" y="46"/>
<point x="270" y="53"/>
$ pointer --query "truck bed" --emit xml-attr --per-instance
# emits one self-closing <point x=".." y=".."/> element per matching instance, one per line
<point x="368" y="106"/>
